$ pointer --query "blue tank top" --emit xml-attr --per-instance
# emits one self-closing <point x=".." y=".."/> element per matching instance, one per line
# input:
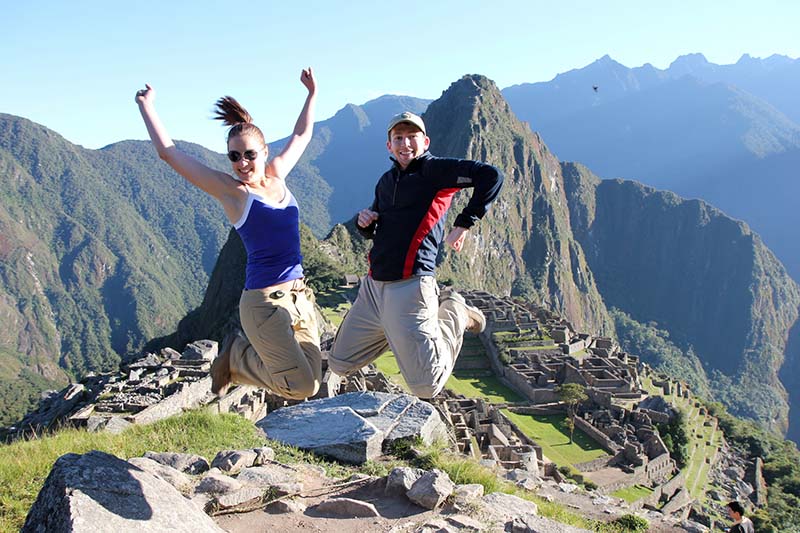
<point x="271" y="235"/>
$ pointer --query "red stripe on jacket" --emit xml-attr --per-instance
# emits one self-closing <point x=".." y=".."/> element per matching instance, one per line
<point x="439" y="206"/>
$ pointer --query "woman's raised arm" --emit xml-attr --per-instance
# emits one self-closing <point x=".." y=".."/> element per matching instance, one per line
<point x="216" y="183"/>
<point x="283" y="163"/>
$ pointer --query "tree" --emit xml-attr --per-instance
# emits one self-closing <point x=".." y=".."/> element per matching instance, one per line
<point x="572" y="394"/>
<point x="676" y="438"/>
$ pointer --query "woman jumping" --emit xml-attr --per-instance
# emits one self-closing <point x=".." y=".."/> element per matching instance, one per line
<point x="281" y="350"/>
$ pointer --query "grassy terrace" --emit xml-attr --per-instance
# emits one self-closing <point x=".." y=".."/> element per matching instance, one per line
<point x="704" y="441"/>
<point x="551" y="433"/>
<point x="334" y="304"/>
<point x="387" y="365"/>
<point x="632" y="494"/>
<point x="480" y="384"/>
<point x="472" y="384"/>
<point x="703" y="445"/>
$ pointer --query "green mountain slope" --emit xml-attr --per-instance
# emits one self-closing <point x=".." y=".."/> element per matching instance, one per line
<point x="101" y="251"/>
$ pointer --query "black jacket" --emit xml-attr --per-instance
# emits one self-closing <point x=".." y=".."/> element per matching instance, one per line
<point x="411" y="206"/>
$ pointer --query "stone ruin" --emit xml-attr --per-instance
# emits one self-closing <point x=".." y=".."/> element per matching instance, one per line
<point x="610" y="376"/>
<point x="155" y="387"/>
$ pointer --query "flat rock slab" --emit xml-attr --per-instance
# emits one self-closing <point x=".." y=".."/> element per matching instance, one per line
<point x="347" y="507"/>
<point x="353" y="427"/>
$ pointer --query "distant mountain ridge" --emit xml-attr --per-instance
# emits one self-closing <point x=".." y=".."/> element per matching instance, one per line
<point x="704" y="277"/>
<point x="725" y="133"/>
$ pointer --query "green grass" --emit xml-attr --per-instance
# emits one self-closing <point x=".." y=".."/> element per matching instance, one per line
<point x="551" y="433"/>
<point x="334" y="305"/>
<point x="387" y="365"/>
<point x="632" y="494"/>
<point x="24" y="465"/>
<point x="469" y="383"/>
<point x="478" y="385"/>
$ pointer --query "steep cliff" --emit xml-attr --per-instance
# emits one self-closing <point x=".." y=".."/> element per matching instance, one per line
<point x="697" y="273"/>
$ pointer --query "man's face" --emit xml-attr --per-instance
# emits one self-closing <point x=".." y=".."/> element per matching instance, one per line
<point x="406" y="143"/>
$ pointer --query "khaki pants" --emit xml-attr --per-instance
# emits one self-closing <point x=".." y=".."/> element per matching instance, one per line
<point x="283" y="353"/>
<point x="406" y="316"/>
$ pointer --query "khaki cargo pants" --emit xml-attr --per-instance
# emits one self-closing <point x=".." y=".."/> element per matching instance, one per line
<point x="281" y="352"/>
<point x="406" y="316"/>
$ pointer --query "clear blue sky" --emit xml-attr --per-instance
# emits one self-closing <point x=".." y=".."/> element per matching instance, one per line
<point x="75" y="66"/>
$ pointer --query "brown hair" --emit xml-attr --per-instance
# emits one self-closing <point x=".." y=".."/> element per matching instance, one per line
<point x="233" y="114"/>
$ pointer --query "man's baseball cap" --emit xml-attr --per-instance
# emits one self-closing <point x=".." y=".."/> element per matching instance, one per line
<point x="409" y="117"/>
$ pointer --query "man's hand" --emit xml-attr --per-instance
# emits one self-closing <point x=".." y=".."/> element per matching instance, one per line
<point x="366" y="217"/>
<point x="456" y="238"/>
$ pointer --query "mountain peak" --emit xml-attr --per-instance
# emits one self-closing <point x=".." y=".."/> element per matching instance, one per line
<point x="689" y="64"/>
<point x="607" y="62"/>
<point x="470" y="103"/>
<point x="696" y="59"/>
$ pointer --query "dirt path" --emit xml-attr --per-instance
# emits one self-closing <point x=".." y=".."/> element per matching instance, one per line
<point x="396" y="514"/>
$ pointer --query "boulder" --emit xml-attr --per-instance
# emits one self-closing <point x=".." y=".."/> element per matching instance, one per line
<point x="116" y="425"/>
<point x="186" y="463"/>
<point x="174" y="477"/>
<point x="354" y="427"/>
<point x="506" y="507"/>
<point x="215" y="482"/>
<point x="286" y="506"/>
<point x="401" y="479"/>
<point x="85" y="491"/>
<point x="244" y="497"/>
<point x="431" y="489"/>
<point x="233" y="461"/>
<point x="266" y="475"/>
<point x="263" y="455"/>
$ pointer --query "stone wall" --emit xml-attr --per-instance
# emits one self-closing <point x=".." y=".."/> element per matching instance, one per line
<point x="540" y="410"/>
<point x="593" y="466"/>
<point x="596" y="435"/>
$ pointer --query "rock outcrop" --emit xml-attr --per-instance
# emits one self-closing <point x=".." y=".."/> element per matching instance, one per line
<point x="99" y="492"/>
<point x="354" y="427"/>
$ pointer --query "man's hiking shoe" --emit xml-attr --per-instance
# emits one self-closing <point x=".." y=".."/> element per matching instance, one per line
<point x="476" y="322"/>
<point x="221" y="367"/>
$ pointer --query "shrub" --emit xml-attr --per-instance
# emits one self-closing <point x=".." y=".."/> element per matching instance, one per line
<point x="632" y="523"/>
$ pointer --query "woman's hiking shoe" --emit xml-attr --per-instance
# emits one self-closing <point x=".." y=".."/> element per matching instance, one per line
<point x="221" y="367"/>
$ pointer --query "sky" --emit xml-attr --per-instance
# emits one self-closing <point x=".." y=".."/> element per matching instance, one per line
<point x="75" y="66"/>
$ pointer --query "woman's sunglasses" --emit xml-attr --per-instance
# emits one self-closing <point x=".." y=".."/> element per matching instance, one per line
<point x="235" y="156"/>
